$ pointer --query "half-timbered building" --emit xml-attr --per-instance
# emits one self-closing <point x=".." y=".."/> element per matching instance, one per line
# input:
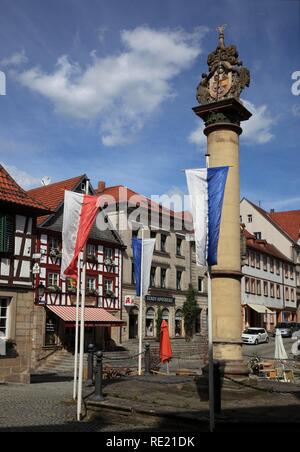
<point x="56" y="319"/>
<point x="18" y="213"/>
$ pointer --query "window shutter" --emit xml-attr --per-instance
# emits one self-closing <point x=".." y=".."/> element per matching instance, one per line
<point x="6" y="233"/>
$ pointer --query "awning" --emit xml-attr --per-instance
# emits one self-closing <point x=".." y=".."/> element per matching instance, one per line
<point x="261" y="309"/>
<point x="91" y="315"/>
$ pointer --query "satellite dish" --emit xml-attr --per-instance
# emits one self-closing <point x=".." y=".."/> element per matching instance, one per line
<point x="45" y="181"/>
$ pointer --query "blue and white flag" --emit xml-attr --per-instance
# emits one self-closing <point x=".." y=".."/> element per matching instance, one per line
<point x="146" y="247"/>
<point x="206" y="188"/>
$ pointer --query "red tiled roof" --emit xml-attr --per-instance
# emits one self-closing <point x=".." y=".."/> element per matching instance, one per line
<point x="52" y="195"/>
<point x="11" y="192"/>
<point x="122" y="194"/>
<point x="289" y="221"/>
<point x="264" y="247"/>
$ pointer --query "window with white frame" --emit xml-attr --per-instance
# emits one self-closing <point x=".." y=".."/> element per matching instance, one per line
<point x="271" y="265"/>
<point x="247" y="285"/>
<point x="272" y="291"/>
<point x="257" y="258"/>
<point x="252" y="258"/>
<point x="91" y="250"/>
<point x="108" y="285"/>
<point x="258" y="287"/>
<point x="278" y="291"/>
<point x="291" y="272"/>
<point x="287" y="294"/>
<point x="3" y="317"/>
<point x="249" y="218"/>
<point x="91" y="284"/>
<point x="53" y="279"/>
<point x="265" y="263"/>
<point x="266" y="289"/>
<point x="253" y="286"/>
<point x="292" y="295"/>
<point x="277" y="267"/>
<point x="108" y="253"/>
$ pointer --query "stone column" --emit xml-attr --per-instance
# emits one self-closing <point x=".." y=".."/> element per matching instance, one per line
<point x="222" y="128"/>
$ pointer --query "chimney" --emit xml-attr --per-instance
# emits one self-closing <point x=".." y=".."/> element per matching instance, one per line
<point x="101" y="186"/>
<point x="272" y="210"/>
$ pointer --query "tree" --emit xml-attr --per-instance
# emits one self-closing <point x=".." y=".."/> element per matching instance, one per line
<point x="158" y="322"/>
<point x="190" y="310"/>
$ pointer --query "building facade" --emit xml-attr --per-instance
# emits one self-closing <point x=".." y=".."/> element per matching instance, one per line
<point x="55" y="321"/>
<point x="18" y="213"/>
<point x="173" y="268"/>
<point x="268" y="285"/>
<point x="270" y="227"/>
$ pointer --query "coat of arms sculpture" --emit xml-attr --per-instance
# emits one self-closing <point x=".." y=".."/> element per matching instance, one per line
<point x="226" y="78"/>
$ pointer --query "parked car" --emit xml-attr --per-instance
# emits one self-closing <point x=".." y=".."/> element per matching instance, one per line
<point x="255" y="336"/>
<point x="286" y="329"/>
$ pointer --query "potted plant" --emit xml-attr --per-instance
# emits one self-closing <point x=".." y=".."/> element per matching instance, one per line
<point x="109" y="294"/>
<point x="55" y="252"/>
<point x="92" y="258"/>
<point x="53" y="289"/>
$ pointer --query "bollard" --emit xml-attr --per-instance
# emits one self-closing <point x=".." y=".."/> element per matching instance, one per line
<point x="147" y="359"/>
<point x="217" y="387"/>
<point x="98" y="378"/>
<point x="90" y="360"/>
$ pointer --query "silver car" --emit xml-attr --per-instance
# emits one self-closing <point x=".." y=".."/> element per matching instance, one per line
<point x="255" y="336"/>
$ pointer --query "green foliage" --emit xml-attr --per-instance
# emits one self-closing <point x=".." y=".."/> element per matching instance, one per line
<point x="158" y="322"/>
<point x="190" y="310"/>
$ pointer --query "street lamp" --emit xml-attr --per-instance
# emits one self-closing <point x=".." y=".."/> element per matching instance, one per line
<point x="41" y="289"/>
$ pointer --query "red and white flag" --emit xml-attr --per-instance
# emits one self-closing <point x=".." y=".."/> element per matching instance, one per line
<point x="80" y="212"/>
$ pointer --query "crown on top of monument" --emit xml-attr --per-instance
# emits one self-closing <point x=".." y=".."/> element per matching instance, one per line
<point x="227" y="77"/>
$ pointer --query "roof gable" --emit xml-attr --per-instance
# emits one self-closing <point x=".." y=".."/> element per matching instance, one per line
<point x="12" y="193"/>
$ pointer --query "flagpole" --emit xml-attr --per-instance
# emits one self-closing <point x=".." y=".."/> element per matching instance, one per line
<point x="82" y="312"/>
<point x="210" y="354"/>
<point x="77" y="327"/>
<point x="210" y="343"/>
<point x="141" y="307"/>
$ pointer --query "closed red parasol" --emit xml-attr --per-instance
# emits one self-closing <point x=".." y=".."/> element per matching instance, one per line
<point x="165" y="343"/>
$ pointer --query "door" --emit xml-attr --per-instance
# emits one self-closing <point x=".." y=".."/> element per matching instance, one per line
<point x="133" y="323"/>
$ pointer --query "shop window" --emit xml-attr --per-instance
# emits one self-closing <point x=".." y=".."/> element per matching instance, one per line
<point x="6" y="234"/>
<point x="178" y="323"/>
<point x="50" y="329"/>
<point x="3" y="317"/>
<point x="165" y="315"/>
<point x="150" y="315"/>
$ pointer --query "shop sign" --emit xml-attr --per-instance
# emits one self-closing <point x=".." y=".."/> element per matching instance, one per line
<point x="129" y="301"/>
<point x="159" y="299"/>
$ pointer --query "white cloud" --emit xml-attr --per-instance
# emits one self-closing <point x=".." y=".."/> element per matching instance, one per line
<point x="121" y="90"/>
<point x="257" y="130"/>
<point x="24" y="179"/>
<point x="16" y="59"/>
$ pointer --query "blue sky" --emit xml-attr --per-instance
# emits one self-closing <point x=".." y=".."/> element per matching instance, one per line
<point x="106" y="87"/>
